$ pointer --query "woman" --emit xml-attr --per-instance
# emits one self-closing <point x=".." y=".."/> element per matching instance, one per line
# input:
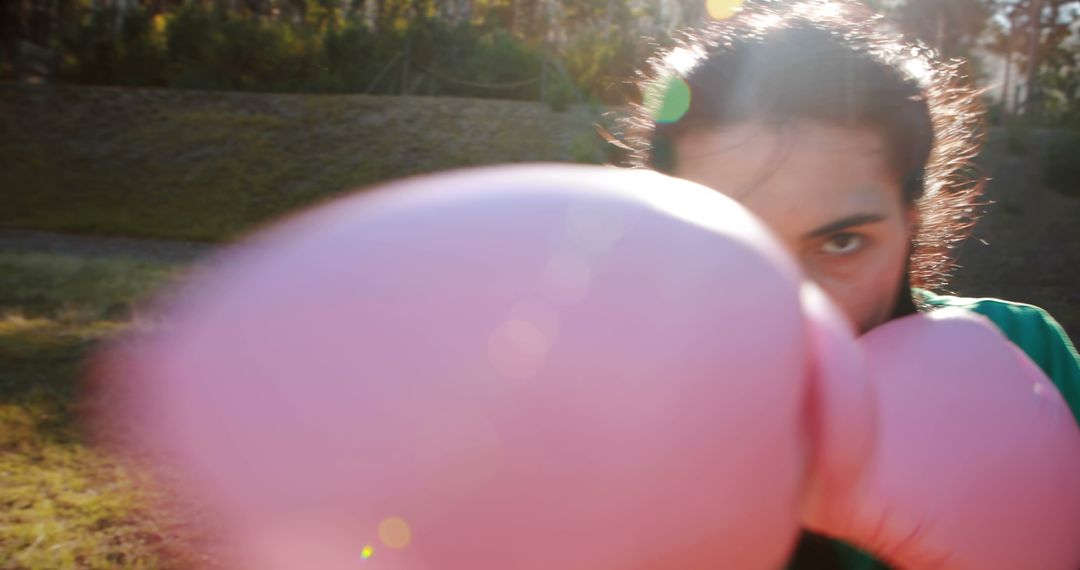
<point x="855" y="148"/>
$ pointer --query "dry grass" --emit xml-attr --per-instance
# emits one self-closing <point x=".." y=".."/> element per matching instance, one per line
<point x="207" y="166"/>
<point x="63" y="503"/>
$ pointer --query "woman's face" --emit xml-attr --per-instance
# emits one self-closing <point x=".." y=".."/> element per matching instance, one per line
<point x="827" y="192"/>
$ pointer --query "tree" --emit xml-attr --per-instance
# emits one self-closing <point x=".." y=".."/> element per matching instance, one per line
<point x="1031" y="33"/>
<point x="952" y="28"/>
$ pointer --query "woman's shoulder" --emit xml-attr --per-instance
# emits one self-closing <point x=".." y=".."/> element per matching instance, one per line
<point x="1028" y="323"/>
<point x="1030" y="328"/>
<point x="984" y="305"/>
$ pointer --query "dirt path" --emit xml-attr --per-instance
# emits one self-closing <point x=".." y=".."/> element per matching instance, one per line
<point x="152" y="250"/>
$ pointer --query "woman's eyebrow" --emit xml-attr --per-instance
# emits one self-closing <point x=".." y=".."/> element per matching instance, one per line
<point x="844" y="223"/>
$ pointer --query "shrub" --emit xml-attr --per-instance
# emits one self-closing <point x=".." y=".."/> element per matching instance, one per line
<point x="559" y="96"/>
<point x="202" y="47"/>
<point x="587" y="148"/>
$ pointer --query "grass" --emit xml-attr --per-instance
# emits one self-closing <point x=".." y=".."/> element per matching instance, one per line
<point x="206" y="166"/>
<point x="63" y="503"/>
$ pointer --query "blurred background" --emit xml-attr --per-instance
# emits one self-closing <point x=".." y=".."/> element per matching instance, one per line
<point x="137" y="135"/>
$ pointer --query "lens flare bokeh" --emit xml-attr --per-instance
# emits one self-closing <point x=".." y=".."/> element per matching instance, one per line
<point x="670" y="101"/>
<point x="722" y="9"/>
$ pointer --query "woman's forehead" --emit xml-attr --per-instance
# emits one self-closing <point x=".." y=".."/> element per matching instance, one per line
<point x="808" y="173"/>
<point x="798" y="145"/>
<point x="800" y="215"/>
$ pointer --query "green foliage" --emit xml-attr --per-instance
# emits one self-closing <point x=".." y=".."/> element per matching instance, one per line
<point x="101" y="48"/>
<point x="1061" y="165"/>
<point x="325" y="46"/>
<point x="588" y="148"/>
<point x="200" y="47"/>
<point x="457" y="58"/>
<point x="1057" y="101"/>
<point x="600" y="63"/>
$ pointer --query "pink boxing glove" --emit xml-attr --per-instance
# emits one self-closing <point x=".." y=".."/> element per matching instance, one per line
<point x="976" y="457"/>
<point x="512" y="368"/>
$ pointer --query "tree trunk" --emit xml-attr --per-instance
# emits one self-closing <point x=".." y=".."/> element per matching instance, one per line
<point x="465" y="11"/>
<point x="380" y="16"/>
<point x="11" y="26"/>
<point x="1006" y="93"/>
<point x="942" y="27"/>
<point x="525" y="19"/>
<point x="455" y="12"/>
<point x="1005" y="84"/>
<point x="40" y="23"/>
<point x="1034" y="33"/>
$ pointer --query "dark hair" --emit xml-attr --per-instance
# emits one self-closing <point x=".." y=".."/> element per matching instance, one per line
<point x="835" y="62"/>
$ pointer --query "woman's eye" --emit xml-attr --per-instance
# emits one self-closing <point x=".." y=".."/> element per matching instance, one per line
<point x="841" y="244"/>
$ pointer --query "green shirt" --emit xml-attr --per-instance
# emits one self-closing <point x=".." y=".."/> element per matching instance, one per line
<point x="1028" y="327"/>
